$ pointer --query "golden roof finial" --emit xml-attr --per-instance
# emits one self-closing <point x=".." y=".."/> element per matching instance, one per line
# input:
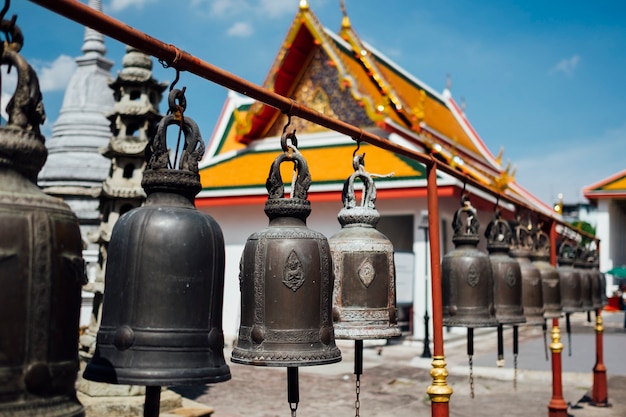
<point x="448" y="81"/>
<point x="345" y="22"/>
<point x="304" y="5"/>
<point x="463" y="105"/>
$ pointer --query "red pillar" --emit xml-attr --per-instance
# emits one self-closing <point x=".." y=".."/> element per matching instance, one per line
<point x="557" y="406"/>
<point x="439" y="391"/>
<point x="599" y="391"/>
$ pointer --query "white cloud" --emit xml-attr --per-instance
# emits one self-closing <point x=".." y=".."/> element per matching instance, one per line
<point x="566" y="66"/>
<point x="56" y="75"/>
<point x="240" y="29"/>
<point x="220" y="9"/>
<point x="119" y="5"/>
<point x="572" y="166"/>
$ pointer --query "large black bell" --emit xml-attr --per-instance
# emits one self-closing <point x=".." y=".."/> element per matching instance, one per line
<point x="364" y="295"/>
<point x="467" y="280"/>
<point x="507" y="275"/>
<point x="571" y="296"/>
<point x="162" y="311"/>
<point x="285" y="280"/>
<point x="532" y="290"/>
<point x="550" y="279"/>
<point x="41" y="264"/>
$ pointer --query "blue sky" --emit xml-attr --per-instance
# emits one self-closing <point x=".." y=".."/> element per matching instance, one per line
<point x="542" y="79"/>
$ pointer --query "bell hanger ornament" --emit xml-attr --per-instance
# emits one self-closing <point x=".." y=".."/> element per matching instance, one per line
<point x="162" y="309"/>
<point x="285" y="281"/>
<point x="41" y="264"/>
<point x="532" y="294"/>
<point x="364" y="295"/>
<point x="571" y="296"/>
<point x="507" y="279"/>
<point x="550" y="278"/>
<point x="467" y="280"/>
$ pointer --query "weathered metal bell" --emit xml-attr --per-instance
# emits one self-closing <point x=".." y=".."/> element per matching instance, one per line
<point x="162" y="310"/>
<point x="532" y="291"/>
<point x="598" y="289"/>
<point x="41" y="264"/>
<point x="285" y="280"/>
<point x="580" y="264"/>
<point x="507" y="275"/>
<point x="571" y="296"/>
<point x="364" y="295"/>
<point x="595" y="268"/>
<point x="550" y="279"/>
<point x="467" y="281"/>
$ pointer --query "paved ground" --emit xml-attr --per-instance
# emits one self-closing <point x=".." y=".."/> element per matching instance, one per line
<point x="395" y="380"/>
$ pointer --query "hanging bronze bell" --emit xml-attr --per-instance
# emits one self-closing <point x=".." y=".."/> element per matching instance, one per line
<point x="507" y="275"/>
<point x="571" y="296"/>
<point x="581" y="265"/>
<point x="595" y="269"/>
<point x="162" y="309"/>
<point x="467" y="281"/>
<point x="364" y="295"/>
<point x="532" y="291"/>
<point x="41" y="264"/>
<point x="550" y="279"/>
<point x="597" y="289"/>
<point x="285" y="279"/>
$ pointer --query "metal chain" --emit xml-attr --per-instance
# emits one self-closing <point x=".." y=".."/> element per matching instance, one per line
<point x="471" y="375"/>
<point x="515" y="371"/>
<point x="357" y="403"/>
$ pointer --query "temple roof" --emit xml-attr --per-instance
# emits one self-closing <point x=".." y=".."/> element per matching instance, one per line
<point x="341" y="76"/>
<point x="611" y="187"/>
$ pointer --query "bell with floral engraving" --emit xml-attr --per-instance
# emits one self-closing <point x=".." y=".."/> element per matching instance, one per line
<point x="532" y="290"/>
<point x="286" y="279"/>
<point x="550" y="278"/>
<point x="41" y="264"/>
<point x="467" y="280"/>
<point x="162" y="308"/>
<point x="507" y="275"/>
<point x="364" y="298"/>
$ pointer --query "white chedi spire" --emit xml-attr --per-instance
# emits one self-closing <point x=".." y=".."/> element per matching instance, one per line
<point x="75" y="168"/>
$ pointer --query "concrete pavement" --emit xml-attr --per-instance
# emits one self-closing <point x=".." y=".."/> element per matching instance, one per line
<point x="395" y="379"/>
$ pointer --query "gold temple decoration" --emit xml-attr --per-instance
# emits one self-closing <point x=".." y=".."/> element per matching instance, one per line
<point x="439" y="391"/>
<point x="556" y="346"/>
<point x="599" y="324"/>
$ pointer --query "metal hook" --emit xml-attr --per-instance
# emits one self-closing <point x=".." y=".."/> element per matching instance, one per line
<point x="5" y="9"/>
<point x="288" y="123"/>
<point x="175" y="79"/>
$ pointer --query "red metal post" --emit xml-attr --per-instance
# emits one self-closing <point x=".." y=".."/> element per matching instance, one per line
<point x="557" y="406"/>
<point x="599" y="391"/>
<point x="439" y="391"/>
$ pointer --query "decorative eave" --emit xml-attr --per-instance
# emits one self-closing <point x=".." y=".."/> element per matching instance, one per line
<point x="305" y="34"/>
<point x="128" y="146"/>
<point x="613" y="187"/>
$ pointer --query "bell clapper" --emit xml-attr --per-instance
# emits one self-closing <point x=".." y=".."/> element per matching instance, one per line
<point x="500" y="361"/>
<point x="470" y="353"/>
<point x="515" y="353"/>
<point x="358" y="370"/>
<point x="152" y="403"/>
<point x="544" y="326"/>
<point x="293" y="390"/>
<point x="568" y="328"/>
